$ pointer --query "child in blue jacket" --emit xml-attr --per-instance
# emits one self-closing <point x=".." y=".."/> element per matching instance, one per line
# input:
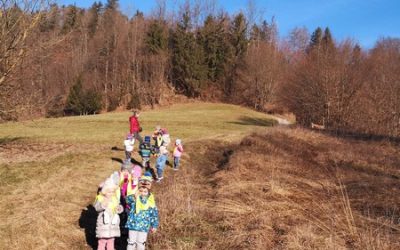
<point x="143" y="216"/>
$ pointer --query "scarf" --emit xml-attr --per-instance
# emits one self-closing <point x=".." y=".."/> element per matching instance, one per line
<point x="148" y="203"/>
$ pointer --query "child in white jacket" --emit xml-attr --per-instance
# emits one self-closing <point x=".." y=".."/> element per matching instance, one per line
<point x="108" y="206"/>
<point x="128" y="143"/>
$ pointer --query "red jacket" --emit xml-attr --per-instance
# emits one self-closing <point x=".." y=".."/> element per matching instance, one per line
<point x="134" y="124"/>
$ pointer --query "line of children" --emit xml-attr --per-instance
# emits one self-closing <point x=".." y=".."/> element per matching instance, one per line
<point x="140" y="207"/>
<point x="127" y="192"/>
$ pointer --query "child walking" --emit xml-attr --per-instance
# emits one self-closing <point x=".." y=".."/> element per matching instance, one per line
<point x="161" y="161"/>
<point x="178" y="150"/>
<point x="143" y="217"/>
<point x="129" y="180"/>
<point x="128" y="143"/>
<point x="145" y="151"/>
<point x="107" y="204"/>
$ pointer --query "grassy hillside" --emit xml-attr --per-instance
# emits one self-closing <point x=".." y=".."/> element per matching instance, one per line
<point x="50" y="168"/>
<point x="243" y="183"/>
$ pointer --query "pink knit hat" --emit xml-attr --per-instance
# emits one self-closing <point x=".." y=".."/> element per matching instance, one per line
<point x="137" y="171"/>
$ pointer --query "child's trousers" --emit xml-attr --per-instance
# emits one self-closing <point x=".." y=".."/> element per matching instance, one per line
<point x="106" y="243"/>
<point x="161" y="160"/>
<point x="128" y="155"/>
<point x="176" y="162"/>
<point x="137" y="240"/>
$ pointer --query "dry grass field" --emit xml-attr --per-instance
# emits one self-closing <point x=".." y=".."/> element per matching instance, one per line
<point x="244" y="184"/>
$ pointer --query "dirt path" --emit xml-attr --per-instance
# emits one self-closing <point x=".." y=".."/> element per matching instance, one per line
<point x="282" y="121"/>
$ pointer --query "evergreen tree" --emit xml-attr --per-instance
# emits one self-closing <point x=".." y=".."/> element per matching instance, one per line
<point x="70" y="20"/>
<point x="80" y="102"/>
<point x="266" y="32"/>
<point x="156" y="38"/>
<point x="238" y="47"/>
<point x="316" y="39"/>
<point x="94" y="13"/>
<point x="49" y="21"/>
<point x="255" y="33"/>
<point x="139" y="14"/>
<point x="213" y="39"/>
<point x="189" y="70"/>
<point x="75" y="98"/>
<point x="327" y="40"/>
<point x="91" y="102"/>
<point x="135" y="101"/>
<point x="269" y="31"/>
<point x="112" y="5"/>
<point x="238" y="33"/>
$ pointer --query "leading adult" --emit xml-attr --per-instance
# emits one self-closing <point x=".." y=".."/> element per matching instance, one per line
<point x="135" y="128"/>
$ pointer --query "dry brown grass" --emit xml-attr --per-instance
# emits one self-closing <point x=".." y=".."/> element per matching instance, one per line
<point x="295" y="189"/>
<point x="277" y="189"/>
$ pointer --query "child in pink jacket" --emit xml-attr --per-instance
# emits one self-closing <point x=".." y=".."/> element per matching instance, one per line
<point x="178" y="150"/>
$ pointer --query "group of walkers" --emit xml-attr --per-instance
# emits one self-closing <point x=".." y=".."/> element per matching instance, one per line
<point x="125" y="202"/>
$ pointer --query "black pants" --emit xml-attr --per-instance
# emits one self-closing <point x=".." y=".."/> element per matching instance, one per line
<point x="128" y="155"/>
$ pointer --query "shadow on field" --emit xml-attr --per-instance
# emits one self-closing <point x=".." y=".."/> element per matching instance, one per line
<point x="5" y="140"/>
<point x="122" y="161"/>
<point x="115" y="148"/>
<point x="246" y="120"/>
<point x="363" y="136"/>
<point x="87" y="221"/>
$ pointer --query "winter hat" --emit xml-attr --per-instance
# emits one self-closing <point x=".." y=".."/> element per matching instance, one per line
<point x="146" y="180"/>
<point x="109" y="186"/>
<point x="115" y="177"/>
<point x="178" y="142"/>
<point x="127" y="165"/>
<point x="146" y="177"/>
<point x="137" y="171"/>
<point x="147" y="139"/>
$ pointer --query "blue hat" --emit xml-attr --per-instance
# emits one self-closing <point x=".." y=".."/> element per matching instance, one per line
<point x="146" y="177"/>
<point x="147" y="139"/>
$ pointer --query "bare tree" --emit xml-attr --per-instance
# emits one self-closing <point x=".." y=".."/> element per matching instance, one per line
<point x="17" y="21"/>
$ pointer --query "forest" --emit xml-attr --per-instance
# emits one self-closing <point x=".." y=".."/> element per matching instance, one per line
<point x="66" y="60"/>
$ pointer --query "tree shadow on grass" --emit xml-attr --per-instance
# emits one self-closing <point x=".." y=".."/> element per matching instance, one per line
<point x="263" y="122"/>
<point x="363" y="136"/>
<point x="5" y="140"/>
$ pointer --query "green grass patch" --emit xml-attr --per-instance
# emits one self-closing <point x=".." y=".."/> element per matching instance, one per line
<point x="187" y="121"/>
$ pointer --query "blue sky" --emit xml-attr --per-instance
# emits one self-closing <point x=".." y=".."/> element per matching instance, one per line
<point x="362" y="20"/>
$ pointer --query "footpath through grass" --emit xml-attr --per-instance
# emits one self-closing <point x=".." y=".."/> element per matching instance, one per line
<point x="50" y="169"/>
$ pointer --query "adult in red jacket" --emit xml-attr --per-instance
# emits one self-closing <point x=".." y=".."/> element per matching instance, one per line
<point x="135" y="128"/>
